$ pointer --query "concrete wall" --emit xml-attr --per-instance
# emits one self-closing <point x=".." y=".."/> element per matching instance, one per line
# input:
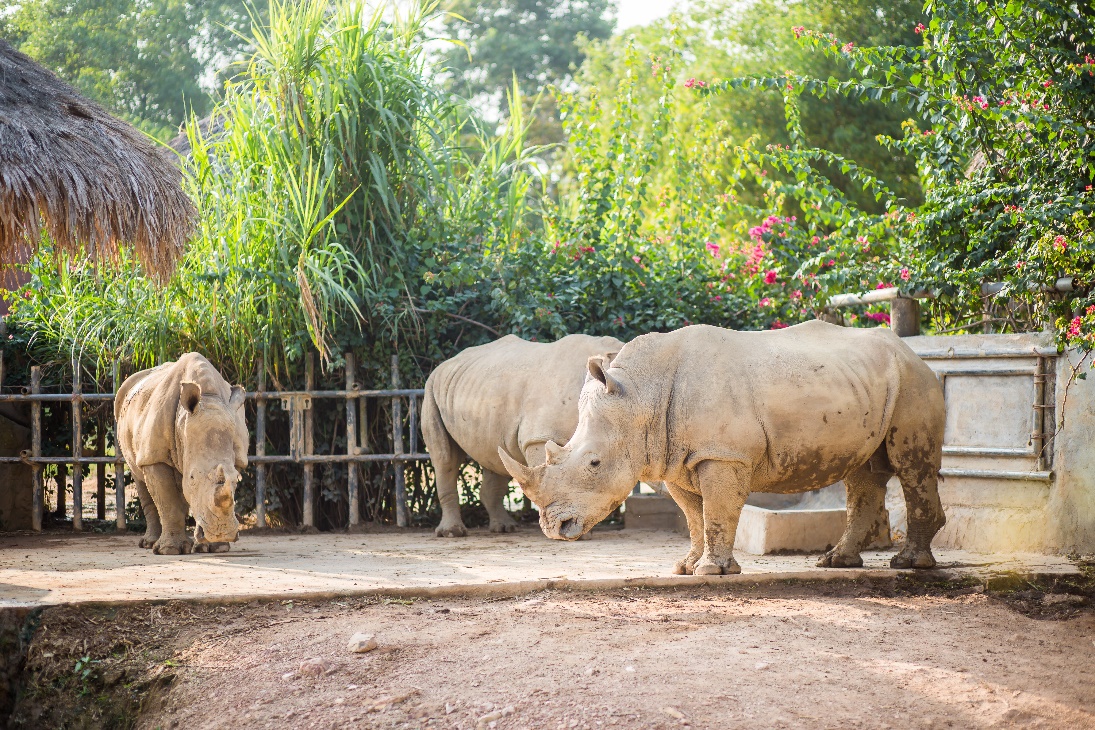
<point x="1001" y="493"/>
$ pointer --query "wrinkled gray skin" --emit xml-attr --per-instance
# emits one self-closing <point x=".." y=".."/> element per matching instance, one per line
<point x="718" y="414"/>
<point x="182" y="432"/>
<point x="510" y="394"/>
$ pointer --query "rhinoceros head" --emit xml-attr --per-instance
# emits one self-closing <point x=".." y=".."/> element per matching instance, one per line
<point x="583" y="482"/>
<point x="209" y="433"/>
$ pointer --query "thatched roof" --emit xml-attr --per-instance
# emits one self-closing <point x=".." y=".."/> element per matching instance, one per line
<point x="91" y="181"/>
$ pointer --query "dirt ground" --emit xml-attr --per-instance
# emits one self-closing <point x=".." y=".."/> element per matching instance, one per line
<point x="876" y="654"/>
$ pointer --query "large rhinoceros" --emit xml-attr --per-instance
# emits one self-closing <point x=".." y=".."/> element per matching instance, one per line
<point x="510" y="394"/>
<point x="718" y="414"/>
<point x="182" y="432"/>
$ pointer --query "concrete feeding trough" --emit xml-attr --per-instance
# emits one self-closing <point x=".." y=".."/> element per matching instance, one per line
<point x="770" y="523"/>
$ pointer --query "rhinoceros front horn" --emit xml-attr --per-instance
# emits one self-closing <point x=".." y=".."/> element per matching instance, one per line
<point x="516" y="469"/>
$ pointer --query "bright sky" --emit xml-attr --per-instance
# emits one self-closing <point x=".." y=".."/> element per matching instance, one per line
<point x="641" y="12"/>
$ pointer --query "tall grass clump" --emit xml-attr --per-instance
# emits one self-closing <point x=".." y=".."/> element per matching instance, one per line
<point x="330" y="178"/>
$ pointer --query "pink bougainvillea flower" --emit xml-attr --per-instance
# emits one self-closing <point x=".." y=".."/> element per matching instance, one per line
<point x="1060" y="243"/>
<point x="815" y="241"/>
<point x="796" y="294"/>
<point x="1047" y="84"/>
<point x="1074" y="327"/>
<point x="764" y="302"/>
<point x="919" y="28"/>
<point x="636" y="259"/>
<point x="690" y="83"/>
<point x="847" y="47"/>
<point x="713" y="248"/>
<point x="770" y="277"/>
<point x="717" y="297"/>
<point x="904" y="274"/>
<point x="777" y="325"/>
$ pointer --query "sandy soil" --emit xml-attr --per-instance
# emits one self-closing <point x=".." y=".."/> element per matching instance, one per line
<point x="811" y="656"/>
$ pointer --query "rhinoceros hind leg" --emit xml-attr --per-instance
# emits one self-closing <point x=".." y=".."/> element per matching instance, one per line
<point x="866" y="497"/>
<point x="833" y="559"/>
<point x="916" y="453"/>
<point x="492" y="494"/>
<point x="692" y="506"/>
<point x="446" y="457"/>
<point x="151" y="516"/>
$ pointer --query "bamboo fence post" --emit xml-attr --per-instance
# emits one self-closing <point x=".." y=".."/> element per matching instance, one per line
<point x="37" y="502"/>
<point x="352" y="491"/>
<point x="260" y="447"/>
<point x="119" y="459"/>
<point x="401" y="516"/>
<point x="309" y="515"/>
<point x="77" y="449"/>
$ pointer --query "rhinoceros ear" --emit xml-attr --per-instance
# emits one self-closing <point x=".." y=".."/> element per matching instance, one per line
<point x="190" y="394"/>
<point x="235" y="401"/>
<point x="598" y="366"/>
<point x="553" y="450"/>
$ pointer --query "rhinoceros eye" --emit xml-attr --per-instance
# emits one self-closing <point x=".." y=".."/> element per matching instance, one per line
<point x="595" y="462"/>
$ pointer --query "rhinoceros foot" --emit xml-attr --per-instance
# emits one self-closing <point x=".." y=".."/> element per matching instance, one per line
<point x="503" y="524"/>
<point x="147" y="542"/>
<point x="834" y="559"/>
<point x="173" y="546"/>
<point x="685" y="566"/>
<point x="213" y="547"/>
<point x="451" y="529"/>
<point x="723" y="566"/>
<point x="909" y="558"/>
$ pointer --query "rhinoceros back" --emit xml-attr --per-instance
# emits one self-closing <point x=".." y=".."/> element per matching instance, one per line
<point x="510" y="393"/>
<point x="147" y="405"/>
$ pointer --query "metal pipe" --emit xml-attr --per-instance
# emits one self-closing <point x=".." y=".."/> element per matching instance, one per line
<point x="1027" y="476"/>
<point x="1063" y="284"/>
<point x="352" y="495"/>
<point x="959" y="352"/>
<point x="1037" y="435"/>
<point x="77" y="449"/>
<point x="37" y="502"/>
<point x="260" y="448"/>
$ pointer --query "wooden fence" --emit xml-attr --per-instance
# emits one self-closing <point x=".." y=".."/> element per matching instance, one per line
<point x="301" y="438"/>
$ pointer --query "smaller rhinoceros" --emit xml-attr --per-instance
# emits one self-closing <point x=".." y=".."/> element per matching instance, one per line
<point x="718" y="414"/>
<point x="182" y="432"/>
<point x="510" y="393"/>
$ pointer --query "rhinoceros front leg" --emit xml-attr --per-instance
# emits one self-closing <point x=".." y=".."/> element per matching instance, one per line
<point x="167" y="494"/>
<point x="151" y="515"/>
<point x="866" y="495"/>
<point x="492" y="493"/>
<point x="723" y="489"/>
<point x="692" y="506"/>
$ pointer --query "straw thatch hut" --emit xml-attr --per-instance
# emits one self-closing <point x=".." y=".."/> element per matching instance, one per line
<point x="89" y="180"/>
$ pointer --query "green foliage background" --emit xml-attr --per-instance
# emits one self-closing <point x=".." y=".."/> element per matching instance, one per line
<point x="732" y="166"/>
